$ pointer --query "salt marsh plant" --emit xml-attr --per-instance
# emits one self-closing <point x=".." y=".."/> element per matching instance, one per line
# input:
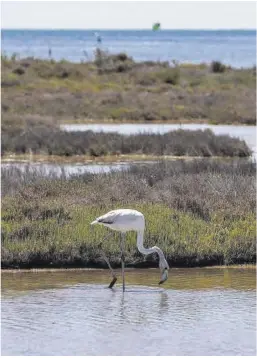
<point x="200" y="212"/>
<point x="52" y="141"/>
<point x="145" y="91"/>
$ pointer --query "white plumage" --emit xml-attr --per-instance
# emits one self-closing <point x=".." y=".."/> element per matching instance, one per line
<point x="124" y="220"/>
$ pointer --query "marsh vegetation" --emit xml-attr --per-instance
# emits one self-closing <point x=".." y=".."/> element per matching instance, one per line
<point x="49" y="140"/>
<point x="116" y="88"/>
<point x="200" y="212"/>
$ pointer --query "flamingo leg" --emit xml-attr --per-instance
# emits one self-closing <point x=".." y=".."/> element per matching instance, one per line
<point x="122" y="246"/>
<point x="114" y="278"/>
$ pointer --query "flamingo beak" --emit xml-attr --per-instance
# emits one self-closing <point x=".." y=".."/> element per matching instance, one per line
<point x="164" y="276"/>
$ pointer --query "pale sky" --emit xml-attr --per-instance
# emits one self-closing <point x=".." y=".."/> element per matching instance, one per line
<point x="128" y="14"/>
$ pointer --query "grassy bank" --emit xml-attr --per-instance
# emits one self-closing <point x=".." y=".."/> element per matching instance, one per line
<point x="49" y="140"/>
<point x="30" y="159"/>
<point x="116" y="88"/>
<point x="200" y="213"/>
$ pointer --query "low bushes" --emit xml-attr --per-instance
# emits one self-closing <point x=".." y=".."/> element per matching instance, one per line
<point x="217" y="67"/>
<point x="153" y="91"/>
<point x="200" y="213"/>
<point x="52" y="141"/>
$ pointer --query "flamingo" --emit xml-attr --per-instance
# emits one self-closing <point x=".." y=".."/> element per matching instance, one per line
<point x="124" y="220"/>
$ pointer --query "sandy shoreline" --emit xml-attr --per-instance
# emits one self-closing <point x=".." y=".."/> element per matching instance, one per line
<point x="4" y="271"/>
<point x="85" y="159"/>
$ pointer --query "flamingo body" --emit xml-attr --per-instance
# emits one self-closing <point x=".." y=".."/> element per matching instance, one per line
<point x="124" y="220"/>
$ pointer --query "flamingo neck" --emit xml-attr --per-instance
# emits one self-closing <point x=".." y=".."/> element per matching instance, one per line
<point x="150" y="250"/>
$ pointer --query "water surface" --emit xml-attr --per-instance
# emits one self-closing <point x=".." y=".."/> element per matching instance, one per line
<point x="246" y="133"/>
<point x="48" y="169"/>
<point x="233" y="47"/>
<point x="198" y="312"/>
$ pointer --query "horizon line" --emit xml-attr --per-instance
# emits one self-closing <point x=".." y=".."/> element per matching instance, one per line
<point x="131" y="29"/>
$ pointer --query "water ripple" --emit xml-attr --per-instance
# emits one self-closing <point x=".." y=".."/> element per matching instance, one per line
<point x="87" y="319"/>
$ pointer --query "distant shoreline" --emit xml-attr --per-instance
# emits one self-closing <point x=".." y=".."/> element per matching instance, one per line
<point x="131" y="29"/>
<point x="86" y="159"/>
<point x="48" y="269"/>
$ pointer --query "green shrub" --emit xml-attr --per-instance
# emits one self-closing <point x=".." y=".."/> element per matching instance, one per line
<point x="121" y="57"/>
<point x="19" y="71"/>
<point x="217" y="67"/>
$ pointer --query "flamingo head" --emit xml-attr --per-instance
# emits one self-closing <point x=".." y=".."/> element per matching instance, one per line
<point x="164" y="267"/>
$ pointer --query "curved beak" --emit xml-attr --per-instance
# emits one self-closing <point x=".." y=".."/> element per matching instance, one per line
<point x="164" y="276"/>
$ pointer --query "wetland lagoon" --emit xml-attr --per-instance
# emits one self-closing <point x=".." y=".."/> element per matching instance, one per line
<point x="195" y="184"/>
<point x="199" y="311"/>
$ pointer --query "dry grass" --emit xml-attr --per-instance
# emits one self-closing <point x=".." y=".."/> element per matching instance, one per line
<point x="200" y="213"/>
<point x="117" y="88"/>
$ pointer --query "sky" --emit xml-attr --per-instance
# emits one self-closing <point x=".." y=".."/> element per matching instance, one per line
<point x="128" y="14"/>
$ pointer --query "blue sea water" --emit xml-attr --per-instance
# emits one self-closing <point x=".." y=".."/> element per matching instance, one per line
<point x="233" y="47"/>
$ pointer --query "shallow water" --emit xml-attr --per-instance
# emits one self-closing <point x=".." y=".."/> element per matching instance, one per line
<point x="233" y="47"/>
<point x="46" y="169"/>
<point x="207" y="311"/>
<point x="247" y="133"/>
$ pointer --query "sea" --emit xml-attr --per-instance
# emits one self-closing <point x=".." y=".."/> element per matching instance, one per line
<point x="236" y="48"/>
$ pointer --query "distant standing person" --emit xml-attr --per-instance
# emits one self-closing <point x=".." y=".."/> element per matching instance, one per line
<point x="49" y="52"/>
<point x="98" y="37"/>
